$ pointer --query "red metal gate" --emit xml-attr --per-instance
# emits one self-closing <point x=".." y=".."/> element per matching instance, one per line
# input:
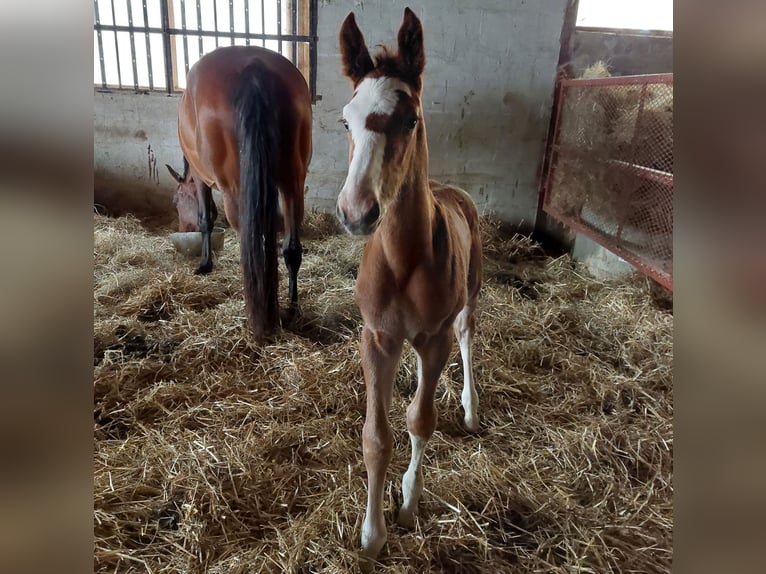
<point x="609" y="168"/>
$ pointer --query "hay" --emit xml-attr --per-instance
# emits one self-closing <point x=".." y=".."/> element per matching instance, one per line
<point x="600" y="126"/>
<point x="215" y="454"/>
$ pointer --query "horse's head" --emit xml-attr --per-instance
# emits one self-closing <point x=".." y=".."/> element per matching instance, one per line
<point x="185" y="199"/>
<point x="383" y="120"/>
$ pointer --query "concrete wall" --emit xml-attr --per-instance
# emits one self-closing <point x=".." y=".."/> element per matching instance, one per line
<point x="488" y="89"/>
<point x="135" y="135"/>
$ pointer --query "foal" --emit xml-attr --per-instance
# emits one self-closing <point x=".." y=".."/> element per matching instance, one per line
<point x="420" y="273"/>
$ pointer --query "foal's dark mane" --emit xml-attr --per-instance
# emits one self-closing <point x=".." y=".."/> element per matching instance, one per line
<point x="389" y="62"/>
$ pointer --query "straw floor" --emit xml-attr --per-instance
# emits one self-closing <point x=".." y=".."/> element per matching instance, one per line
<point x="215" y="454"/>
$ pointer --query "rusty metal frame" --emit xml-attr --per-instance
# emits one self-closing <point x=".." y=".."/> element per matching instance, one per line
<point x="620" y="80"/>
<point x="645" y="265"/>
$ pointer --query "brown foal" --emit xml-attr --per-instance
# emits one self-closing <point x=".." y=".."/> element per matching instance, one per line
<point x="420" y="273"/>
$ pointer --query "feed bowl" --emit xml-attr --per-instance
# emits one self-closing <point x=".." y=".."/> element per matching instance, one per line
<point x="190" y="242"/>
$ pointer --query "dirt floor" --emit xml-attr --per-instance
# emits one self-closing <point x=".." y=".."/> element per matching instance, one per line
<point x="215" y="454"/>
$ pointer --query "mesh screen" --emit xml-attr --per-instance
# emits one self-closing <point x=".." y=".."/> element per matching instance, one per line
<point x="611" y="170"/>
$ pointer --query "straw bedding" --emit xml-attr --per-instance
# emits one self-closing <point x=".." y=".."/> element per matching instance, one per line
<point x="216" y="454"/>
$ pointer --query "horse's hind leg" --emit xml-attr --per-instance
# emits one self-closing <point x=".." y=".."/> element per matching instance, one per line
<point x="292" y="251"/>
<point x="464" y="327"/>
<point x="205" y="214"/>
<point x="421" y="419"/>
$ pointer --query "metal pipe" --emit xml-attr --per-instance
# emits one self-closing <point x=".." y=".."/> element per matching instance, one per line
<point x="100" y="42"/>
<point x="148" y="49"/>
<point x="186" y="40"/>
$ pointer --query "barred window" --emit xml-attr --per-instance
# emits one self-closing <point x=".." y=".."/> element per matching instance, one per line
<point x="151" y="44"/>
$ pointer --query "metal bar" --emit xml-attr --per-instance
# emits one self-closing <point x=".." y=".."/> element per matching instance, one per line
<point x="148" y="48"/>
<point x="231" y="20"/>
<point x="247" y="22"/>
<point x="294" y="29"/>
<point x="637" y="126"/>
<point x="655" y="175"/>
<point x="625" y="31"/>
<point x="186" y="40"/>
<point x="199" y="27"/>
<point x="166" y="48"/>
<point x="172" y="71"/>
<point x="100" y="44"/>
<point x="622" y="80"/>
<point x="647" y="267"/>
<point x="215" y="20"/>
<point x="554" y="145"/>
<point x="663" y="178"/>
<point x="132" y="44"/>
<point x="206" y="33"/>
<point x="279" y="22"/>
<point x="313" y="50"/>
<point x="117" y="49"/>
<point x="263" y="22"/>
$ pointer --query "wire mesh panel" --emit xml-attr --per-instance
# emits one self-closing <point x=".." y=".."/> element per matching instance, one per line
<point x="610" y="167"/>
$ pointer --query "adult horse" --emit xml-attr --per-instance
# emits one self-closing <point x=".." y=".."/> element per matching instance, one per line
<point x="245" y="127"/>
<point x="420" y="273"/>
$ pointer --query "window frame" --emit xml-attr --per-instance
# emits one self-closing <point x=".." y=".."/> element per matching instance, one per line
<point x="303" y="17"/>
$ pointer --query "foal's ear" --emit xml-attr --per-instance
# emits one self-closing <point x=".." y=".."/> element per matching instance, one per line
<point x="356" y="58"/>
<point x="175" y="174"/>
<point x="410" y="41"/>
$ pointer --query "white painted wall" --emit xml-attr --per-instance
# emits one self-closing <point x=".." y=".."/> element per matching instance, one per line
<point x="488" y="88"/>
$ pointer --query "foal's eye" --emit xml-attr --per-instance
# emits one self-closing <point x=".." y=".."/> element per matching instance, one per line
<point x="345" y="124"/>
<point x="412" y="124"/>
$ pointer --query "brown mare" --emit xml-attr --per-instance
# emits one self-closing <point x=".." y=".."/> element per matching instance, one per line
<point x="245" y="127"/>
<point x="420" y="273"/>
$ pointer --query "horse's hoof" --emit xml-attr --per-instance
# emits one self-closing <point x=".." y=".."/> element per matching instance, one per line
<point x="204" y="269"/>
<point x="373" y="539"/>
<point x="405" y="519"/>
<point x="289" y="315"/>
<point x="366" y="564"/>
<point x="472" y="424"/>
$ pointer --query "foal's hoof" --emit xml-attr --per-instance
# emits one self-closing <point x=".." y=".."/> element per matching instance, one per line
<point x="373" y="539"/>
<point x="472" y="423"/>
<point x="366" y="564"/>
<point x="405" y="518"/>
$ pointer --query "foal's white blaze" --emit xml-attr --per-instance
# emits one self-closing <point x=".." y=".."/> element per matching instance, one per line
<point x="372" y="96"/>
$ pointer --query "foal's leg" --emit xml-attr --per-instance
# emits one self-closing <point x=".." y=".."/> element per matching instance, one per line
<point x="205" y="211"/>
<point x="380" y="359"/>
<point x="292" y="251"/>
<point x="465" y="325"/>
<point x="421" y="419"/>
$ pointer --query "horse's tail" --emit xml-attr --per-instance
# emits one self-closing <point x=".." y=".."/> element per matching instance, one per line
<point x="255" y="105"/>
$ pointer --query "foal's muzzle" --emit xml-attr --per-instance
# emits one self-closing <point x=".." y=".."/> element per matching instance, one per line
<point x="363" y="226"/>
